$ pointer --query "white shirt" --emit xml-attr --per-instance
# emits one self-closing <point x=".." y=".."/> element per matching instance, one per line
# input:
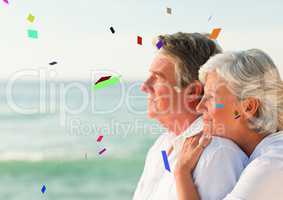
<point x="215" y="175"/>
<point x="263" y="177"/>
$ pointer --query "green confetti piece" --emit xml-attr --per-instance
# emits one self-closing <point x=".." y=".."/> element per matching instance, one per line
<point x="107" y="83"/>
<point x="32" y="34"/>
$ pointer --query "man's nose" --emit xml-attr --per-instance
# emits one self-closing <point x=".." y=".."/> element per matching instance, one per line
<point x="146" y="87"/>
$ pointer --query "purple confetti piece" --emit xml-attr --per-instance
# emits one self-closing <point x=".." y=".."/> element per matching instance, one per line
<point x="102" y="151"/>
<point x="159" y="44"/>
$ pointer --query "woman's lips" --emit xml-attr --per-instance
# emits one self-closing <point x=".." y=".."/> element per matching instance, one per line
<point x="207" y="120"/>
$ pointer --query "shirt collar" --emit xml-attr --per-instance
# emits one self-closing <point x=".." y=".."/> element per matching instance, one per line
<point x="194" y="129"/>
<point x="265" y="143"/>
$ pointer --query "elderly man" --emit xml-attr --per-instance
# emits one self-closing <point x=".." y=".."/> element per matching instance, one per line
<point x="173" y="92"/>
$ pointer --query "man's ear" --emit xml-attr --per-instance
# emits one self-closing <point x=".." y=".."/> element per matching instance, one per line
<point x="194" y="90"/>
<point x="198" y="88"/>
<point x="250" y="107"/>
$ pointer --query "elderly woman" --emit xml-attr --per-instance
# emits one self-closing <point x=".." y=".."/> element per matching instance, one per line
<point x="248" y="86"/>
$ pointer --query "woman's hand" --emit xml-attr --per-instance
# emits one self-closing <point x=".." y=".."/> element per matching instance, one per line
<point x="190" y="154"/>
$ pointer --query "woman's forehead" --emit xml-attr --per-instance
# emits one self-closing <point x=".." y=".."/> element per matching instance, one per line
<point x="214" y="83"/>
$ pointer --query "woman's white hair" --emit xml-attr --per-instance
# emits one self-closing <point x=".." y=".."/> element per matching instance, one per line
<point x="252" y="73"/>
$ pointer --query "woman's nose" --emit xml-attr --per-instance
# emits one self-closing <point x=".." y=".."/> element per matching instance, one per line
<point x="201" y="106"/>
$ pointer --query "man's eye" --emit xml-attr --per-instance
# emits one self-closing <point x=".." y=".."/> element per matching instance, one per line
<point x="157" y="76"/>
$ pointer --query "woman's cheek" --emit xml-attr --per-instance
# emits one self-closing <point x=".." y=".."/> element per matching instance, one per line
<point x="218" y="121"/>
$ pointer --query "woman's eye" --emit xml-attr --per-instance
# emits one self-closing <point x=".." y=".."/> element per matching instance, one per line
<point x="208" y="97"/>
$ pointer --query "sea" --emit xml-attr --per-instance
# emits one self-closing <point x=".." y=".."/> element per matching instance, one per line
<point x="49" y="132"/>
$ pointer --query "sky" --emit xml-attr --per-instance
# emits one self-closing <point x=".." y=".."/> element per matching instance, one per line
<point x="76" y="34"/>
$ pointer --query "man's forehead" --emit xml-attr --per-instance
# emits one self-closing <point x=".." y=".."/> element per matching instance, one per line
<point x="161" y="63"/>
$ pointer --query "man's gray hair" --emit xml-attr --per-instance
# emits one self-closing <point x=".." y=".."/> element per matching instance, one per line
<point x="252" y="73"/>
<point x="191" y="51"/>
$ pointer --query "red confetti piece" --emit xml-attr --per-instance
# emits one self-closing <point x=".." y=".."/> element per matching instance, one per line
<point x="99" y="138"/>
<point x="139" y="38"/>
<point x="104" y="78"/>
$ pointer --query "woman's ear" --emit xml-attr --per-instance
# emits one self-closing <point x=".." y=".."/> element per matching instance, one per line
<point x="250" y="107"/>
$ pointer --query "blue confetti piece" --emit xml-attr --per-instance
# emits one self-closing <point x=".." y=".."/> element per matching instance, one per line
<point x="219" y="105"/>
<point x="165" y="160"/>
<point x="43" y="189"/>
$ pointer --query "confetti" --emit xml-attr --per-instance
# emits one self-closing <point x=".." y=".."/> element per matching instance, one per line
<point x="210" y="17"/>
<point x="53" y="63"/>
<point x="236" y="114"/>
<point x="31" y="18"/>
<point x="165" y="160"/>
<point x="159" y="44"/>
<point x="6" y="1"/>
<point x="219" y="105"/>
<point x="102" y="151"/>
<point x="169" y="11"/>
<point x="99" y="138"/>
<point x="104" y="78"/>
<point x="215" y="33"/>
<point x="43" y="189"/>
<point x="32" y="34"/>
<point x="112" y="30"/>
<point x="139" y="40"/>
<point x="109" y="82"/>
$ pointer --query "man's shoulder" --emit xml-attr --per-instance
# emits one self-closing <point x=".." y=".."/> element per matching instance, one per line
<point x="159" y="143"/>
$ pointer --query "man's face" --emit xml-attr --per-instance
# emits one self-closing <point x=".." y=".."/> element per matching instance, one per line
<point x="160" y="86"/>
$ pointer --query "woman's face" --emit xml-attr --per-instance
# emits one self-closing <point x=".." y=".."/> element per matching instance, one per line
<point x="220" y="108"/>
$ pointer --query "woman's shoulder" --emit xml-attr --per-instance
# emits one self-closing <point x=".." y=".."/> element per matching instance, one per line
<point x="221" y="157"/>
<point x="224" y="148"/>
<point x="220" y="143"/>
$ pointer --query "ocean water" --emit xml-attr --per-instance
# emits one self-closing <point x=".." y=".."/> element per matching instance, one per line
<point x="48" y="137"/>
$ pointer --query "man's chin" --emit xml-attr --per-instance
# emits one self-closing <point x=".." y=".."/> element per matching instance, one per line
<point x="152" y="115"/>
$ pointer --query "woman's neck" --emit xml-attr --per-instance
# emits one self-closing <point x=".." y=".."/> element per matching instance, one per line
<point x="249" y="140"/>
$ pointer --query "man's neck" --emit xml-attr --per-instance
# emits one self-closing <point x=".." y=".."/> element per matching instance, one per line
<point x="178" y="124"/>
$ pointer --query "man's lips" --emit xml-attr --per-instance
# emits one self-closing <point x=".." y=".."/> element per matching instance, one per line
<point x="151" y="99"/>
